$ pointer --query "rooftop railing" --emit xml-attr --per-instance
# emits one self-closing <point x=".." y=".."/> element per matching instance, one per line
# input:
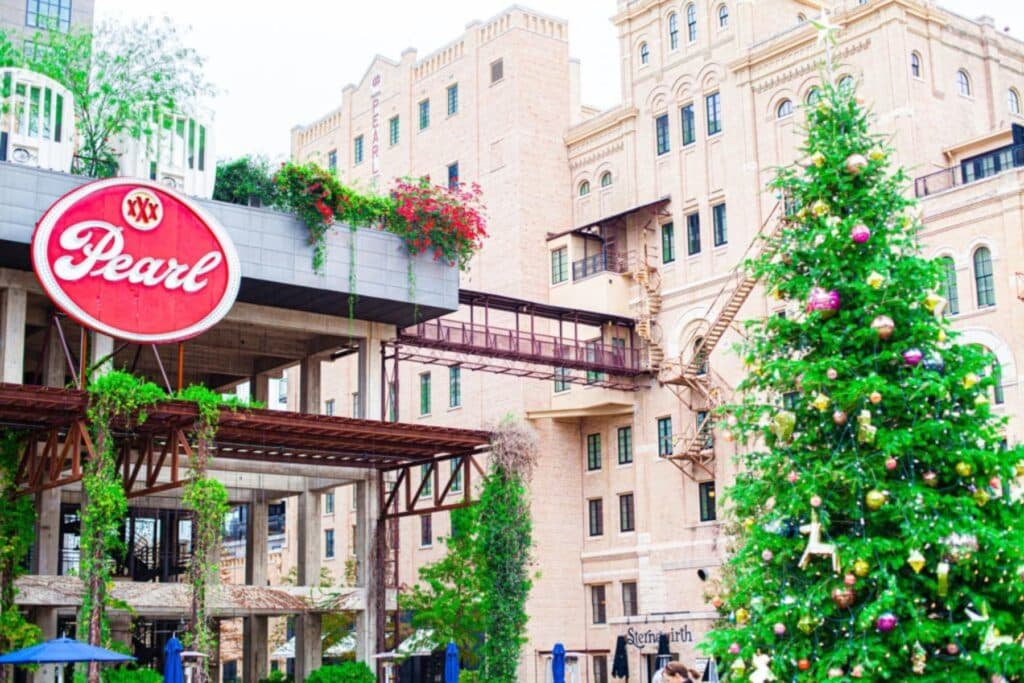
<point x="606" y="260"/>
<point x="978" y="168"/>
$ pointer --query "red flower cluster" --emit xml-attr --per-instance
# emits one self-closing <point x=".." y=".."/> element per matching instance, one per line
<point x="448" y="221"/>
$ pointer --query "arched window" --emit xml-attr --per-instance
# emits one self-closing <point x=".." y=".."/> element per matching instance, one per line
<point x="846" y="84"/>
<point x="785" y="109"/>
<point x="915" y="65"/>
<point x="723" y="16"/>
<point x="606" y="179"/>
<point x="813" y="95"/>
<point x="949" y="288"/>
<point x="963" y="83"/>
<point x="700" y="355"/>
<point x="1013" y="99"/>
<point x="584" y="188"/>
<point x="645" y="53"/>
<point x="691" y="22"/>
<point x="984" y="282"/>
<point x="995" y="371"/>
<point x="673" y="31"/>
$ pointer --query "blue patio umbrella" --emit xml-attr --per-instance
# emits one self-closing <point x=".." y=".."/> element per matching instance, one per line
<point x="63" y="651"/>
<point x="173" y="671"/>
<point x="558" y="663"/>
<point x="451" y="664"/>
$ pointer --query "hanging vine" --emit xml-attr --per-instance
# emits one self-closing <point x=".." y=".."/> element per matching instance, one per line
<point x="208" y="500"/>
<point x="114" y="397"/>
<point x="17" y="529"/>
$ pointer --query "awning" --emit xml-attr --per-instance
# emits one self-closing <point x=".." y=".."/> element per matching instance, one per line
<point x="419" y="644"/>
<point x="339" y="649"/>
<point x="609" y="219"/>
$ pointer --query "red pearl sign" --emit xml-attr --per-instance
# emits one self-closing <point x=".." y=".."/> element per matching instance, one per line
<point x="136" y="261"/>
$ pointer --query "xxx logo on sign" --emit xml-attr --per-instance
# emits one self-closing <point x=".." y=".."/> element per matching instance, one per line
<point x="135" y="260"/>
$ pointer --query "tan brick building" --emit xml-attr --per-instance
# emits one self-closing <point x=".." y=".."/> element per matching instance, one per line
<point x="29" y="16"/>
<point x="654" y="203"/>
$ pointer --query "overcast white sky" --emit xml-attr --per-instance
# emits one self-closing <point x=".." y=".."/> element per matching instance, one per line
<point x="283" y="63"/>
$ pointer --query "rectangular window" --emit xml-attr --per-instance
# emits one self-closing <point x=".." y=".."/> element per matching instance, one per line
<point x="593" y="452"/>
<point x="282" y="389"/>
<point x="627" y="521"/>
<point x="357" y="150"/>
<point x="456" y="465"/>
<point x="393" y="131"/>
<point x="497" y="70"/>
<point x="454" y="386"/>
<point x="230" y="671"/>
<point x="561" y="380"/>
<point x="332" y="160"/>
<point x="593" y="376"/>
<point x="328" y="543"/>
<point x="668" y="243"/>
<point x="718" y="225"/>
<point x="453" y="99"/>
<point x="714" y="110"/>
<point x="600" y="669"/>
<point x="949" y="288"/>
<point x="597" y="605"/>
<point x="595" y="516"/>
<point x="453" y="176"/>
<point x="664" y="436"/>
<point x="425" y="393"/>
<point x="559" y="265"/>
<point x="329" y="503"/>
<point x="629" y="602"/>
<point x="424" y="114"/>
<point x="693" y="234"/>
<point x="48" y="14"/>
<point x="426" y="531"/>
<point x="703" y="425"/>
<point x="427" y="477"/>
<point x="329" y="407"/>
<point x="689" y="125"/>
<point x="707" y="501"/>
<point x="625" y="445"/>
<point x="661" y="133"/>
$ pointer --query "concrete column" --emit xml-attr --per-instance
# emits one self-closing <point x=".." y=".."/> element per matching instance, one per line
<point x="308" y="648"/>
<point x="309" y="385"/>
<point x="259" y="388"/>
<point x="368" y="569"/>
<point x="14" y="305"/>
<point x="45" y="558"/>
<point x="255" y="651"/>
<point x="100" y="347"/>
<point x="55" y="366"/>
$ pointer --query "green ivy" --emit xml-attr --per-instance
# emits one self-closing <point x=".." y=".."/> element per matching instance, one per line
<point x="114" y="396"/>
<point x="17" y="530"/>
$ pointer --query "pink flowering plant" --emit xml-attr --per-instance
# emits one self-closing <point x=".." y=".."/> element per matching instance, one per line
<point x="448" y="221"/>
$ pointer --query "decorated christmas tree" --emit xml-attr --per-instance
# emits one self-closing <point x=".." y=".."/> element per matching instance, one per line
<point x="879" y="526"/>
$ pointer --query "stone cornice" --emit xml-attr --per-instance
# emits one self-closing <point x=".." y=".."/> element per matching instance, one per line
<point x="599" y="124"/>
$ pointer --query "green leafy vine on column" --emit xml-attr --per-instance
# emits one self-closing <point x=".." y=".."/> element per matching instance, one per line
<point x="17" y="529"/>
<point x="114" y="397"/>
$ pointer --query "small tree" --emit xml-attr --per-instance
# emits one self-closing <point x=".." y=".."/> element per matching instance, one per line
<point x="247" y="181"/>
<point x="449" y="596"/>
<point x="118" y="76"/>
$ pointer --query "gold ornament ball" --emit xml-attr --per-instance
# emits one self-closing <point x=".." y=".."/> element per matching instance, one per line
<point x="855" y="163"/>
<point x="861" y="568"/>
<point x="981" y="497"/>
<point x="874" y="499"/>
<point x="819" y="208"/>
<point x="818" y="159"/>
<point x="883" y="326"/>
<point x="964" y="469"/>
<point x="728" y="436"/>
<point x="742" y="616"/>
<point x="875" y="397"/>
<point x="876" y="155"/>
<point x="970" y="379"/>
<point x="1020" y="469"/>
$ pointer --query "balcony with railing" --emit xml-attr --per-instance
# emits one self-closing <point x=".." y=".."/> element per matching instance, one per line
<point x="599" y="282"/>
<point x="606" y="260"/>
<point x="970" y="170"/>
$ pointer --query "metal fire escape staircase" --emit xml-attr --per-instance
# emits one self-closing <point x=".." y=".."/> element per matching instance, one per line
<point x="648" y="304"/>
<point x="690" y="376"/>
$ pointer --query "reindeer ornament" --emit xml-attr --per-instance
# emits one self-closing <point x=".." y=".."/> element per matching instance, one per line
<point x="815" y="546"/>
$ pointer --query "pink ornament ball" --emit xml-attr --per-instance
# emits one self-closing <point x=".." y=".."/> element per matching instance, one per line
<point x="860" y="233"/>
<point x="734" y="649"/>
<point x="767" y="555"/>
<point x="912" y="357"/>
<point x="779" y="629"/>
<point x="816" y="501"/>
<point x="792" y="477"/>
<point x="891" y="464"/>
<point x="886" y="622"/>
<point x="826" y="302"/>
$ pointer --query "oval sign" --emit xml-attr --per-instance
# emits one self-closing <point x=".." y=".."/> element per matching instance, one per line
<point x="135" y="260"/>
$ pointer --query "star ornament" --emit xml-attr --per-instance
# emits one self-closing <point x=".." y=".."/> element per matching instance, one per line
<point x="827" y="31"/>
<point x="994" y="640"/>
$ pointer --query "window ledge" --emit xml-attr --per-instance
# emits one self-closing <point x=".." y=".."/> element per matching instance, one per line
<point x="452" y="409"/>
<point x="624" y="465"/>
<point x="597" y="471"/>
